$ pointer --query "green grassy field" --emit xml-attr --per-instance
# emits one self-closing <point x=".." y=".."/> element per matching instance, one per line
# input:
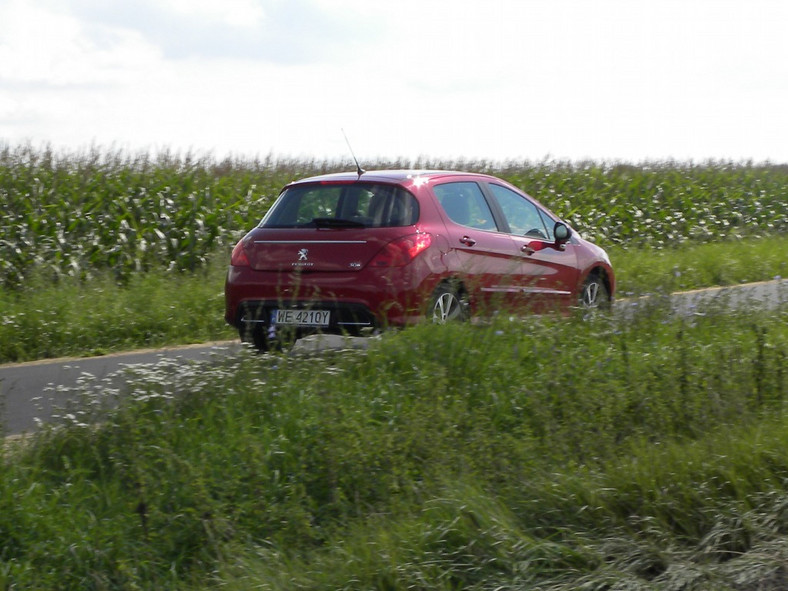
<point x="553" y="454"/>
<point x="157" y="308"/>
<point x="104" y="251"/>
<point x="545" y="454"/>
<point x="75" y="214"/>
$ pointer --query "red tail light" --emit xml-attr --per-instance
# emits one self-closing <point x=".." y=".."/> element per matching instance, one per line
<point x="402" y="251"/>
<point x="239" y="258"/>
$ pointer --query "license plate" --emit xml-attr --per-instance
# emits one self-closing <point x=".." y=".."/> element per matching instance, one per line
<point x="300" y="317"/>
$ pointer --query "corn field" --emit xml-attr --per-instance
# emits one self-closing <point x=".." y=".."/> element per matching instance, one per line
<point x="77" y="214"/>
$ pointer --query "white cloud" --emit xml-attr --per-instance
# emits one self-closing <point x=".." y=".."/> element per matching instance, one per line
<point x="502" y="79"/>
<point x="235" y="13"/>
<point x="42" y="47"/>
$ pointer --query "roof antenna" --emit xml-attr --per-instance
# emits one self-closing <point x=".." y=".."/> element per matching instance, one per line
<point x="359" y="170"/>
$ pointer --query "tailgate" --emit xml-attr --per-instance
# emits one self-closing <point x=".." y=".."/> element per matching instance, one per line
<point x="310" y="250"/>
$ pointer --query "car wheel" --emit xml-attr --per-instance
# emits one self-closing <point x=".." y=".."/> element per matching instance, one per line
<point x="255" y="335"/>
<point x="594" y="293"/>
<point x="447" y="306"/>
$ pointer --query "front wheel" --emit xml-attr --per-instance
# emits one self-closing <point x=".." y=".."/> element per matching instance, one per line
<point x="594" y="293"/>
<point x="447" y="306"/>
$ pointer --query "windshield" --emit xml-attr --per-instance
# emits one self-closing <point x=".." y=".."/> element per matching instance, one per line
<point x="353" y="205"/>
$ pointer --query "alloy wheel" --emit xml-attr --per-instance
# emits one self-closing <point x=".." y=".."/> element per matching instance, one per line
<point x="594" y="293"/>
<point x="447" y="307"/>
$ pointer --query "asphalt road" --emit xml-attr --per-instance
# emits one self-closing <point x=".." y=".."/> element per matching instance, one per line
<point x="32" y="392"/>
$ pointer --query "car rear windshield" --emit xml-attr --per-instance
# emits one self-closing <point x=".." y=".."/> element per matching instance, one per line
<point x="368" y="205"/>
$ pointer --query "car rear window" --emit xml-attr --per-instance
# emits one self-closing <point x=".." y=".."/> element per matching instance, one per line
<point x="371" y="205"/>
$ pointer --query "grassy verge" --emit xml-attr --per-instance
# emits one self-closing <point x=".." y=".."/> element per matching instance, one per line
<point x="72" y="318"/>
<point x="693" y="266"/>
<point x="555" y="454"/>
<point x="157" y="308"/>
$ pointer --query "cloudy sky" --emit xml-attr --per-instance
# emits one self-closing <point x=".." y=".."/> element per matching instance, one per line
<point x="625" y="80"/>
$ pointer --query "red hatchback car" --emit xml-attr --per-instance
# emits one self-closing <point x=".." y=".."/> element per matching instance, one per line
<point x="349" y="252"/>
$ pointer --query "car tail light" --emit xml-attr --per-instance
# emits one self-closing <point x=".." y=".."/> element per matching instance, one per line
<point x="239" y="258"/>
<point x="402" y="251"/>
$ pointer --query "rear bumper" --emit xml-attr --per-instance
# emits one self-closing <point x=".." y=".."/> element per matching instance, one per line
<point x="344" y="317"/>
<point x="356" y="300"/>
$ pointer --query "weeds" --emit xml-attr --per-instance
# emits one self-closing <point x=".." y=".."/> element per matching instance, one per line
<point x="542" y="453"/>
<point x="642" y="451"/>
<point x="154" y="309"/>
<point x="103" y="250"/>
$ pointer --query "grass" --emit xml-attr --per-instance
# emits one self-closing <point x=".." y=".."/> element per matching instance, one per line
<point x="78" y="214"/>
<point x="693" y="266"/>
<point x="104" y="250"/>
<point x="550" y="454"/>
<point x="661" y="204"/>
<point x="72" y="318"/>
<point x="160" y="308"/>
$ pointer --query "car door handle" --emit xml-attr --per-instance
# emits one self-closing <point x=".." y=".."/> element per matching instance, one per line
<point x="528" y="249"/>
<point x="467" y="241"/>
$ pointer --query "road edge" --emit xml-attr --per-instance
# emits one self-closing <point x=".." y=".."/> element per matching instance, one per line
<point x="169" y="348"/>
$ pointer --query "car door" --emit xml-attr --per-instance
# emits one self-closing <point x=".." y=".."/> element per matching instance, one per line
<point x="549" y="272"/>
<point x="486" y="258"/>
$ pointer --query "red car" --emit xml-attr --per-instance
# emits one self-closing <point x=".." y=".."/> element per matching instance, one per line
<point x="355" y="252"/>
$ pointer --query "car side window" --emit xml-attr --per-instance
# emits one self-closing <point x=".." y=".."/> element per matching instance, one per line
<point x="464" y="204"/>
<point x="523" y="216"/>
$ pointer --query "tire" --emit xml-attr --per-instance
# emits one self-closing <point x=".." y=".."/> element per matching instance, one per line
<point x="447" y="305"/>
<point x="255" y="335"/>
<point x="594" y="294"/>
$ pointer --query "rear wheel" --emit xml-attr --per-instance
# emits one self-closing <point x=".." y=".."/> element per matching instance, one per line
<point x="255" y="334"/>
<point x="447" y="306"/>
<point x="266" y="338"/>
<point x="594" y="293"/>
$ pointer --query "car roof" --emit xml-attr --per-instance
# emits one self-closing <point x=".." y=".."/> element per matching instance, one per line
<point x="402" y="176"/>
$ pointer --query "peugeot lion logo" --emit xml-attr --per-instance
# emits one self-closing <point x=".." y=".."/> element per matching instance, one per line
<point x="303" y="259"/>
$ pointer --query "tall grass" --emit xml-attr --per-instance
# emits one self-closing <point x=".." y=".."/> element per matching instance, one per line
<point x="662" y="204"/>
<point x="73" y="318"/>
<point x="73" y="214"/>
<point x="545" y="454"/>
<point x="102" y="250"/>
<point x="697" y="265"/>
<point x="157" y="308"/>
<point x="555" y="454"/>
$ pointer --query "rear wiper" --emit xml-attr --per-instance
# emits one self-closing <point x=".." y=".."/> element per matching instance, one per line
<point x="336" y="223"/>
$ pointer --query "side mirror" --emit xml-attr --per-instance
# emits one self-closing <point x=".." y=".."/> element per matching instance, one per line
<point x="561" y="232"/>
